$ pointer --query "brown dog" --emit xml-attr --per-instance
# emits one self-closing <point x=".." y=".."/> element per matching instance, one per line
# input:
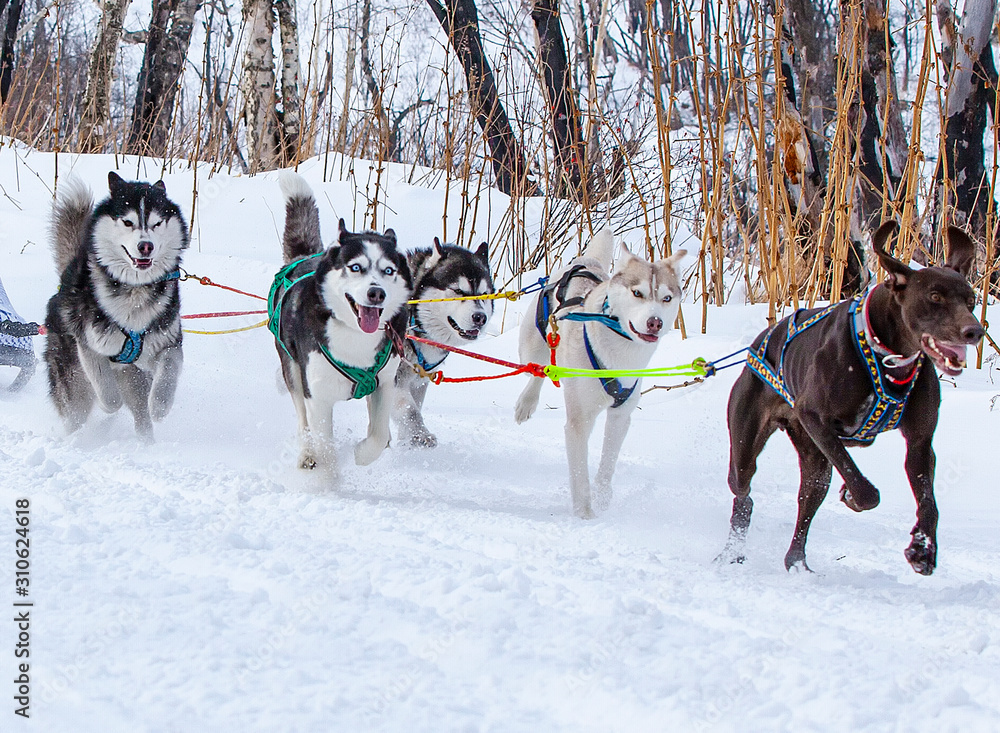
<point x="836" y="377"/>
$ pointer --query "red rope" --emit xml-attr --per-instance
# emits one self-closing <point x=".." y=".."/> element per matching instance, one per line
<point x="207" y="281"/>
<point x="224" y="314"/>
<point x="535" y="370"/>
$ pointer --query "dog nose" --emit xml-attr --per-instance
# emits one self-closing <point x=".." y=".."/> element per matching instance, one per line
<point x="972" y="333"/>
<point x="145" y="248"/>
<point x="653" y="325"/>
<point x="478" y="319"/>
<point x="376" y="296"/>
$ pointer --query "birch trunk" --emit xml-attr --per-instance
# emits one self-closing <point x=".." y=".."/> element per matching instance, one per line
<point x="97" y="98"/>
<point x="258" y="87"/>
<point x="291" y="104"/>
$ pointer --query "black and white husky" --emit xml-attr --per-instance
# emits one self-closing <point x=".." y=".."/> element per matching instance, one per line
<point x="444" y="271"/>
<point x="339" y="318"/>
<point x="603" y="323"/>
<point x="114" y="328"/>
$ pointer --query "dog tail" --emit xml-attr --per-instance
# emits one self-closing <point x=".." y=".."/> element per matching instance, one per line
<point x="602" y="247"/>
<point x="70" y="221"/>
<point x="302" y="236"/>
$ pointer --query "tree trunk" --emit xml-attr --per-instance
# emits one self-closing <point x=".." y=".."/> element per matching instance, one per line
<point x="96" y="103"/>
<point x="567" y="141"/>
<point x="258" y="87"/>
<point x="963" y="185"/>
<point x="162" y="66"/>
<point x="7" y="51"/>
<point x="460" y="21"/>
<point x="387" y="145"/>
<point x="291" y="105"/>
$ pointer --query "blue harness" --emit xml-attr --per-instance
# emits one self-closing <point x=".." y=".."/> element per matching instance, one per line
<point x="417" y="330"/>
<point x="546" y="308"/>
<point x="132" y="347"/>
<point x="888" y="408"/>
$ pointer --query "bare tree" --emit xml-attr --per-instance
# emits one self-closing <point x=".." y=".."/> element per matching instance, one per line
<point x="7" y="49"/>
<point x="162" y="64"/>
<point x="96" y="102"/>
<point x="964" y="191"/>
<point x="272" y="133"/>
<point x="460" y="21"/>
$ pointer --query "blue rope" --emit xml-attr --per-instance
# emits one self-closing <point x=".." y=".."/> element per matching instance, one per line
<point x="536" y="286"/>
<point x="712" y="367"/>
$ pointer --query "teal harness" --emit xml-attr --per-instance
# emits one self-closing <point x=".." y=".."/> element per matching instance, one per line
<point x="365" y="380"/>
<point x="888" y="408"/>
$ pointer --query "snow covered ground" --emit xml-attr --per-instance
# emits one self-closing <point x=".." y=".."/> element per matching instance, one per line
<point x="204" y="584"/>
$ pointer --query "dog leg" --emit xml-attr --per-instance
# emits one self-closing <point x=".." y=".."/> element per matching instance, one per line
<point x="815" y="473"/>
<point x="750" y="427"/>
<point x="531" y="348"/>
<point x="164" y="387"/>
<point x="135" y="388"/>
<point x="920" y="463"/>
<point x="411" y="391"/>
<point x="69" y="386"/>
<point x="615" y="429"/>
<point x="857" y="492"/>
<point x="379" y="408"/>
<point x="528" y="401"/>
<point x="580" y="417"/>
<point x="317" y="438"/>
<point x="101" y="374"/>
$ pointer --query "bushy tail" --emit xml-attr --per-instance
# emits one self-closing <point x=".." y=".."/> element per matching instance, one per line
<point x="602" y="247"/>
<point x="302" y="236"/>
<point x="70" y="219"/>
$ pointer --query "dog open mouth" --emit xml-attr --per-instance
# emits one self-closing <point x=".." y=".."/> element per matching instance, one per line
<point x="471" y="335"/>
<point x="649" y="338"/>
<point x="947" y="357"/>
<point x="140" y="263"/>
<point x="368" y="316"/>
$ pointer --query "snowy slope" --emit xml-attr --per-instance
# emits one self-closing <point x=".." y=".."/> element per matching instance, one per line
<point x="204" y="584"/>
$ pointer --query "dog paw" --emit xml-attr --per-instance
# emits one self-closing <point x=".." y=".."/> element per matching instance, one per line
<point x="524" y="409"/>
<point x="602" y="498"/>
<point x="423" y="440"/>
<point x="796" y="560"/>
<point x="584" y="512"/>
<point x="109" y="400"/>
<point x="922" y="554"/>
<point x="862" y="500"/>
<point x="368" y="450"/>
<point x="307" y="461"/>
<point x="158" y="409"/>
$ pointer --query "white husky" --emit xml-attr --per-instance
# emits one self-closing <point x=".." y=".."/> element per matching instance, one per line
<point x="604" y="323"/>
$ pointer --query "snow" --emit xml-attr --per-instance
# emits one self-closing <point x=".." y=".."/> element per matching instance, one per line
<point x="203" y="583"/>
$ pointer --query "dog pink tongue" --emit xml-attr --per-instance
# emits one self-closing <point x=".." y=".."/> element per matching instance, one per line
<point x="368" y="318"/>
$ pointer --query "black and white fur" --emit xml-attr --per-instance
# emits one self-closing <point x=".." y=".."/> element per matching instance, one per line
<point x="354" y="302"/>
<point x="645" y="298"/>
<point x="444" y="271"/>
<point x="115" y="263"/>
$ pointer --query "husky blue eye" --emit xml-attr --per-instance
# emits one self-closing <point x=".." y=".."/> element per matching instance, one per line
<point x="389" y="271"/>
<point x="668" y="299"/>
<point x="636" y="293"/>
<point x="355" y="267"/>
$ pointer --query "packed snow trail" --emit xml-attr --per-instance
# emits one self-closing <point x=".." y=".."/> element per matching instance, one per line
<point x="203" y="583"/>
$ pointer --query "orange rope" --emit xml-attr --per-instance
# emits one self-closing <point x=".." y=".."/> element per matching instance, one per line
<point x="224" y="314"/>
<point x="535" y="370"/>
<point x="207" y="281"/>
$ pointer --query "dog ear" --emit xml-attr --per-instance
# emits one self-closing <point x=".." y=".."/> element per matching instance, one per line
<point x="390" y="234"/>
<point x="961" y="251"/>
<point x="673" y="260"/>
<point x="161" y="186"/>
<point x="624" y="258"/>
<point x="439" y="249"/>
<point x="483" y="253"/>
<point x="115" y="182"/>
<point x="898" y="272"/>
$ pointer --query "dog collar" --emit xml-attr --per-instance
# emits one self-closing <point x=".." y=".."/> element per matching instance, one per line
<point x="612" y="386"/>
<point x="417" y="329"/>
<point x="175" y="275"/>
<point x="887" y="357"/>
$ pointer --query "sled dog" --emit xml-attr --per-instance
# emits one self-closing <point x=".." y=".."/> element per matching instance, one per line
<point x="114" y="328"/>
<point x="446" y="271"/>
<point x="604" y="323"/>
<point x="338" y="317"/>
<point x="840" y="376"/>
